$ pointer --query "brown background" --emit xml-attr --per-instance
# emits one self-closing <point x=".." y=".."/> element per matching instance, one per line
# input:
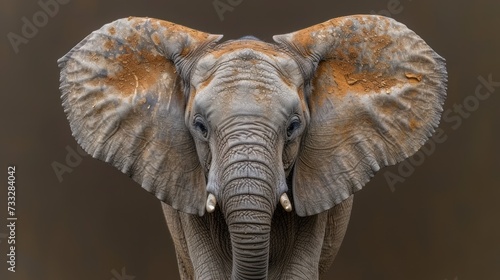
<point x="441" y="223"/>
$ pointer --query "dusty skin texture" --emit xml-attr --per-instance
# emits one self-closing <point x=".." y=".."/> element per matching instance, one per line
<point x="138" y="70"/>
<point x="376" y="88"/>
<point x="348" y="73"/>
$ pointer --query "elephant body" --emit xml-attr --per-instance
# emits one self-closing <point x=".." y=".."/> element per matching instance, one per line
<point x="255" y="148"/>
<point x="300" y="247"/>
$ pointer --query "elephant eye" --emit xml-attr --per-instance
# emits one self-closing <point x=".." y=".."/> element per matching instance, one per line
<point x="200" y="126"/>
<point x="292" y="126"/>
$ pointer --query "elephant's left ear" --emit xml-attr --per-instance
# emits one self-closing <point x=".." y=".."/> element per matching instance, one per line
<point x="377" y="94"/>
<point x="123" y="92"/>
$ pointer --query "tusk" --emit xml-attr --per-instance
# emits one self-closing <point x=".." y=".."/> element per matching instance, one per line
<point x="285" y="202"/>
<point x="211" y="202"/>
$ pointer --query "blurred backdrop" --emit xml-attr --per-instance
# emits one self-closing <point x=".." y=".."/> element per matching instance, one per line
<point x="439" y="219"/>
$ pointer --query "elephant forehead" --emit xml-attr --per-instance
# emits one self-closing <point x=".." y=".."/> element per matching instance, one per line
<point x="249" y="97"/>
<point x="246" y="59"/>
<point x="249" y="75"/>
<point x="246" y="77"/>
<point x="248" y="48"/>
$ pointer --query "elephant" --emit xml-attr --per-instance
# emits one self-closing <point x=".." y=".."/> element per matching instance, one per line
<point x="255" y="149"/>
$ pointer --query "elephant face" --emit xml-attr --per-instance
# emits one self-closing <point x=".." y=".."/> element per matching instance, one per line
<point x="254" y="90"/>
<point x="200" y="124"/>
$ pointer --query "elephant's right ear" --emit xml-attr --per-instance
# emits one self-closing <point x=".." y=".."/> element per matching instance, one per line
<point x="123" y="94"/>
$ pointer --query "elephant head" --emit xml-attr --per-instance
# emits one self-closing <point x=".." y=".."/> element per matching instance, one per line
<point x="241" y="125"/>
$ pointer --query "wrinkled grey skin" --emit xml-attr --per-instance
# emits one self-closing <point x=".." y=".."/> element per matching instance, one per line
<point x="313" y="116"/>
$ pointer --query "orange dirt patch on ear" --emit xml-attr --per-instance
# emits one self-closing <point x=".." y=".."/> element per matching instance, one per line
<point x="173" y="28"/>
<point x="358" y="61"/>
<point x="188" y="34"/>
<point x="109" y="45"/>
<point x="413" y="78"/>
<point x="338" y="77"/>
<point x="139" y="71"/>
<point x="414" y="124"/>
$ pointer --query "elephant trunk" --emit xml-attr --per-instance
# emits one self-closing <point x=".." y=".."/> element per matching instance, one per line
<point x="250" y="230"/>
<point x="248" y="203"/>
